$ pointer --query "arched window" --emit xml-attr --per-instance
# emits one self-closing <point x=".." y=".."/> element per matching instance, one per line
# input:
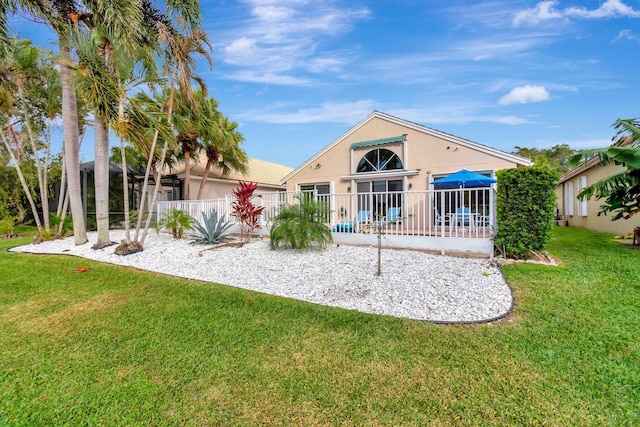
<point x="380" y="159"/>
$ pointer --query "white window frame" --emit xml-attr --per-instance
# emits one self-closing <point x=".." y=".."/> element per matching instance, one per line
<point x="568" y="198"/>
<point x="582" y="204"/>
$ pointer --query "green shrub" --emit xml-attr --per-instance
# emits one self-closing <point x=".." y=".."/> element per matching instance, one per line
<point x="66" y="227"/>
<point x="301" y="225"/>
<point x="176" y="220"/>
<point x="7" y="225"/>
<point x="212" y="230"/>
<point x="525" y="210"/>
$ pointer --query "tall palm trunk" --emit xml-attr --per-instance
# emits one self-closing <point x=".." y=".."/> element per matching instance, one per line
<point x="42" y="181"/>
<point x="101" y="180"/>
<point x="143" y="195"/>
<point x="125" y="175"/>
<point x="70" y="124"/>
<point x="23" y="182"/>
<point x="163" y="156"/>
<point x="205" y="175"/>
<point x="63" y="185"/>
<point x="187" y="173"/>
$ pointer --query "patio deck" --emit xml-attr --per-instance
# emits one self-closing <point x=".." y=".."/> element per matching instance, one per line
<point x="443" y="221"/>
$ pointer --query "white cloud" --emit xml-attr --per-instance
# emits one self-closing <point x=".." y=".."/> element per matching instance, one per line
<point x="510" y="120"/>
<point x="329" y="112"/>
<point x="524" y="95"/>
<point x="286" y="36"/>
<point x="242" y="47"/>
<point x="626" y="35"/>
<point x="546" y="11"/>
<point x="267" y="78"/>
<point x="543" y="11"/>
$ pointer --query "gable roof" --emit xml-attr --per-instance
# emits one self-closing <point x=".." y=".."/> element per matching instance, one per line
<point x="419" y="128"/>
<point x="258" y="171"/>
<point x="593" y="161"/>
<point x="577" y="170"/>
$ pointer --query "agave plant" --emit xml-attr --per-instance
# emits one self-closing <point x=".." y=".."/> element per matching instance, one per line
<point x="212" y="230"/>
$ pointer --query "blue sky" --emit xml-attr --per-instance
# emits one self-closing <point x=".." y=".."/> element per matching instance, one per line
<point x="297" y="74"/>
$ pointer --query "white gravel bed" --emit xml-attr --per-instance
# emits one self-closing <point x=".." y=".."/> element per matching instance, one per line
<point x="413" y="284"/>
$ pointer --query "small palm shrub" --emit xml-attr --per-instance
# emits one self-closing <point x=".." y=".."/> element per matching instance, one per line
<point x="301" y="225"/>
<point x="176" y="220"/>
<point x="67" y="225"/>
<point x="7" y="225"/>
<point x="212" y="230"/>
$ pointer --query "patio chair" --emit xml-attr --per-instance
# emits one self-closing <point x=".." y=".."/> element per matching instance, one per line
<point x="441" y="220"/>
<point x="393" y="216"/>
<point x="464" y="216"/>
<point x="347" y="225"/>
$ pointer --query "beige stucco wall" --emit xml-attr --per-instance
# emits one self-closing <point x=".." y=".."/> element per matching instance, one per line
<point x="592" y="221"/>
<point x="217" y="188"/>
<point x="426" y="153"/>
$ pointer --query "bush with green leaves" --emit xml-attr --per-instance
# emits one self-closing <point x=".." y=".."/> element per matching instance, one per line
<point x="176" y="220"/>
<point x="7" y="225"/>
<point x="67" y="226"/>
<point x="301" y="225"/>
<point x="212" y="230"/>
<point x="525" y="210"/>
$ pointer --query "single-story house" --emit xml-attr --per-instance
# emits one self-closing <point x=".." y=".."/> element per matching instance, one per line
<point x="387" y="154"/>
<point x="584" y="213"/>
<point x="266" y="174"/>
<point x="380" y="175"/>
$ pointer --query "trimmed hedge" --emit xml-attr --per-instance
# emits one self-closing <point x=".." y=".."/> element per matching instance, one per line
<point x="525" y="210"/>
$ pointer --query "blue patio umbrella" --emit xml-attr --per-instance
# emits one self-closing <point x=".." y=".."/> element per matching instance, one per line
<point x="463" y="178"/>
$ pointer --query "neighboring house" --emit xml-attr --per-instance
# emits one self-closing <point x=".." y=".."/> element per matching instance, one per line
<point x="384" y="153"/>
<point x="584" y="213"/>
<point x="266" y="174"/>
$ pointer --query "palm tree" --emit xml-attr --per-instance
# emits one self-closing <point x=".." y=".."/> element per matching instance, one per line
<point x="29" y="86"/>
<point x="59" y="15"/>
<point x="621" y="191"/>
<point x="180" y="65"/>
<point x="223" y="149"/>
<point x="189" y="121"/>
<point x="96" y="37"/>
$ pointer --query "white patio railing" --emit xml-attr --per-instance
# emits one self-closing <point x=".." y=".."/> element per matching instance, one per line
<point x="467" y="215"/>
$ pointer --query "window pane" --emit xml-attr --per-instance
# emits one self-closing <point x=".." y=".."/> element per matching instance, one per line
<point x="322" y="188"/>
<point x="364" y="187"/>
<point x="379" y="186"/>
<point x="379" y="160"/>
<point x="395" y="185"/>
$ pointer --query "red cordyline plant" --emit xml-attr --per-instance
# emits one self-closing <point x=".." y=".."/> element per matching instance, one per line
<point x="245" y="211"/>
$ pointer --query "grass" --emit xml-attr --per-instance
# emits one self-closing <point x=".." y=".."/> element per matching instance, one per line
<point x="117" y="346"/>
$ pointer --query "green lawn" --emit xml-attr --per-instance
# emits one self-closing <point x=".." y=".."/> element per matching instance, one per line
<point x="117" y="346"/>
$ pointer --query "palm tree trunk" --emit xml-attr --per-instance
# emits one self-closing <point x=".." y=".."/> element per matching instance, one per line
<point x="42" y="183"/>
<point x="156" y="190"/>
<point x="125" y="175"/>
<point x="204" y="178"/>
<point x="45" y="181"/>
<point x="143" y="195"/>
<point x="187" y="174"/>
<point x="165" y="147"/>
<point x="125" y="190"/>
<point x="23" y="182"/>
<point x="63" y="185"/>
<point x="70" y="125"/>
<point x="101" y="180"/>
